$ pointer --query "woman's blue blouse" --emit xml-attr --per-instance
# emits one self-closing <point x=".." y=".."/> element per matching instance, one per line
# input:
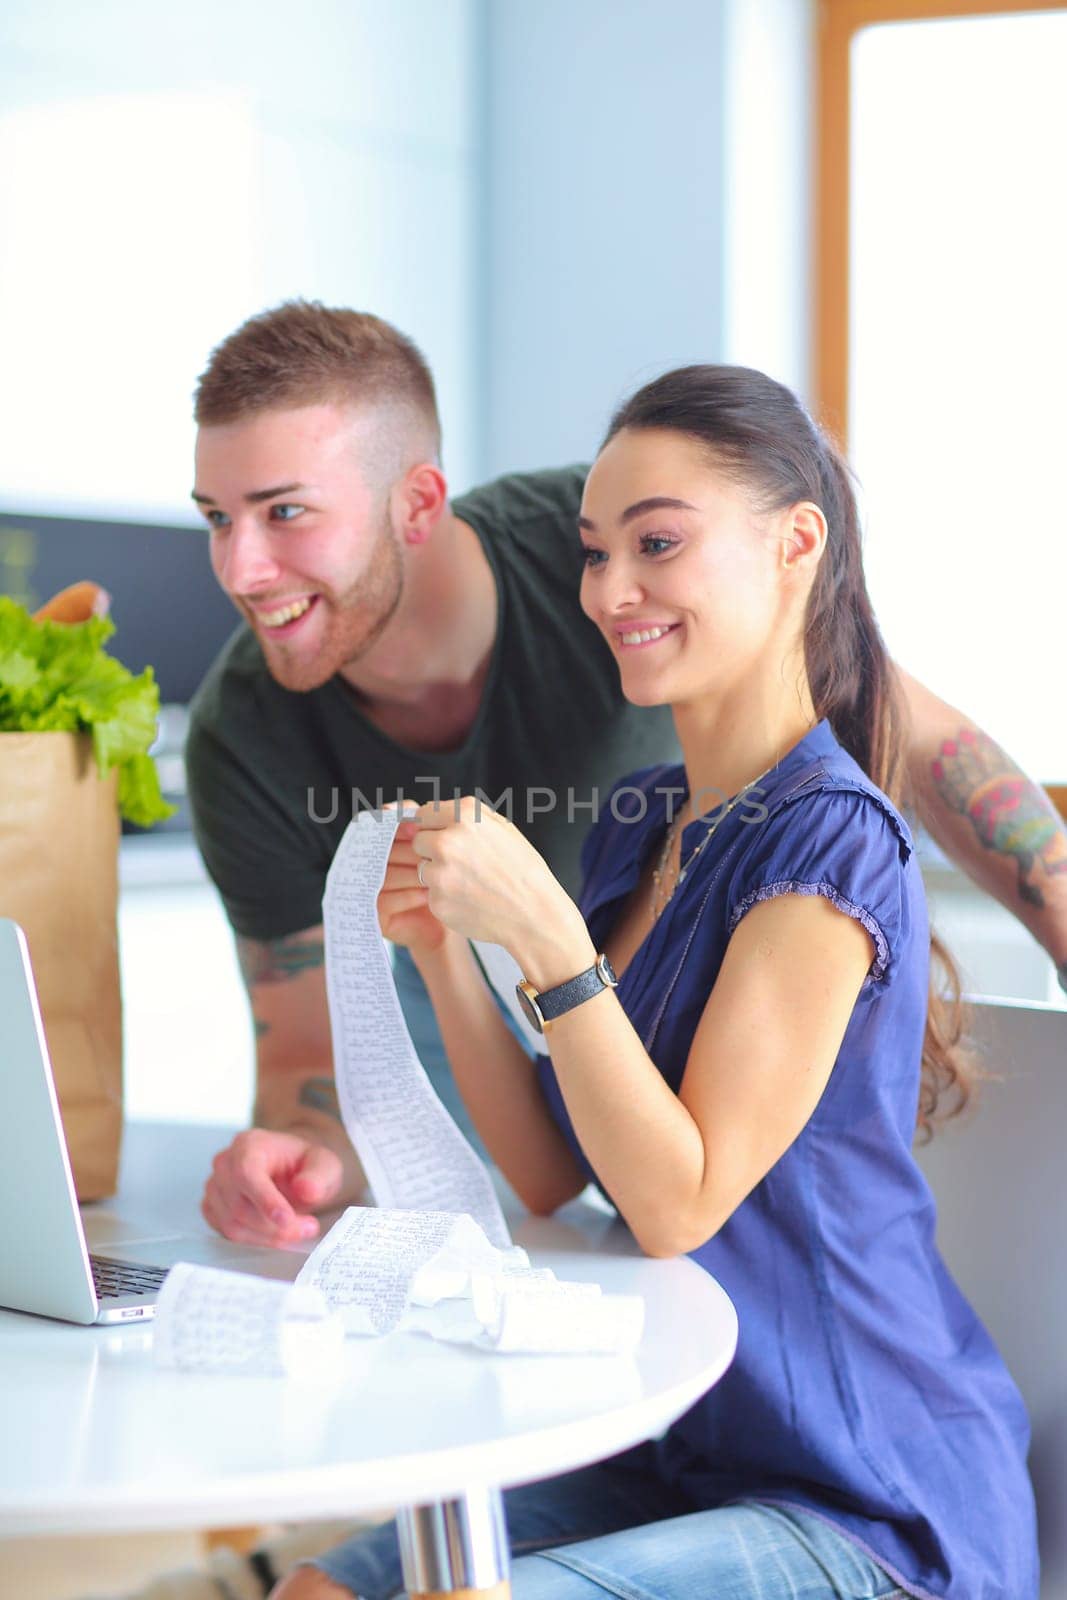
<point x="864" y="1387"/>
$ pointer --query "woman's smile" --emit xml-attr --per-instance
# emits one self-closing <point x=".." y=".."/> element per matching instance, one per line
<point x="641" y="635"/>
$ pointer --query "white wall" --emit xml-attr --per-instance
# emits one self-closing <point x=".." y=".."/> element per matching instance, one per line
<point x="769" y="188"/>
<point x="647" y="182"/>
<point x="604" y="194"/>
<point x="165" y="171"/>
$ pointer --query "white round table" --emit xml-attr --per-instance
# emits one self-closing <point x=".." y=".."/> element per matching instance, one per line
<point x="96" y="1438"/>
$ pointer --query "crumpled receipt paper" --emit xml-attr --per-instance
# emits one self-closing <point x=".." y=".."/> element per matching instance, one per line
<point x="212" y="1320"/>
<point x="435" y="1273"/>
<point x="378" y="1271"/>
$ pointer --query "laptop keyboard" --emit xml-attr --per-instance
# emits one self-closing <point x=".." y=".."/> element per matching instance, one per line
<point x="112" y="1279"/>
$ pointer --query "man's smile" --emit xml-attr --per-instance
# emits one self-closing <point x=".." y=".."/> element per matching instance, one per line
<point x="282" y="618"/>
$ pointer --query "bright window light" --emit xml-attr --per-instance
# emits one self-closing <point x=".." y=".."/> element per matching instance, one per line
<point x="958" y="319"/>
<point x="101" y="347"/>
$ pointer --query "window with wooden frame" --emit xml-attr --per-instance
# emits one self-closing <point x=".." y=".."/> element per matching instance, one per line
<point x="941" y="339"/>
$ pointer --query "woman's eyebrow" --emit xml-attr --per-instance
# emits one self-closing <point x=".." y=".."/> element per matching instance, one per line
<point x="656" y="502"/>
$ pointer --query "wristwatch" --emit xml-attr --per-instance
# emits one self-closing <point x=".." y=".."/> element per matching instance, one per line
<point x="542" y="1007"/>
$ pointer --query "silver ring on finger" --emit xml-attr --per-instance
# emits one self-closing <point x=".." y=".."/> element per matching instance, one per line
<point x="418" y="873"/>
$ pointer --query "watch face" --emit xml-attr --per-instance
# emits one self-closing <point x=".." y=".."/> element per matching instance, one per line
<point x="607" y="972"/>
<point x="527" y="1000"/>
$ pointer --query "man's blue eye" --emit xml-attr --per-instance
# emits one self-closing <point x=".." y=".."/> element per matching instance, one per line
<point x="216" y="519"/>
<point x="285" y="512"/>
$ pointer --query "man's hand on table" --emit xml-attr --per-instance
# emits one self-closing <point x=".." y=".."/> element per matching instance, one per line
<point x="266" y="1186"/>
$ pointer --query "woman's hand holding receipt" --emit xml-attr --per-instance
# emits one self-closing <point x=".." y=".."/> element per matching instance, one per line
<point x="483" y="879"/>
<point x="403" y="910"/>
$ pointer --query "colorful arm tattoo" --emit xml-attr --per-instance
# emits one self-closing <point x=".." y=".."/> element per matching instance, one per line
<point x="278" y="960"/>
<point x="1010" y="814"/>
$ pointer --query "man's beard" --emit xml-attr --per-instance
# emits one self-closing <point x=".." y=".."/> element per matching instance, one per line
<point x="356" y="619"/>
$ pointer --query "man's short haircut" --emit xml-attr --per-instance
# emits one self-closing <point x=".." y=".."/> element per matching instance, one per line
<point x="303" y="353"/>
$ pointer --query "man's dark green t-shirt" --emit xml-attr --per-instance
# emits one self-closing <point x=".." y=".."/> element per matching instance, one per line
<point x="275" y="776"/>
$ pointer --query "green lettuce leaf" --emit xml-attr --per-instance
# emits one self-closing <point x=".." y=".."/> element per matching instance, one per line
<point x="57" y="677"/>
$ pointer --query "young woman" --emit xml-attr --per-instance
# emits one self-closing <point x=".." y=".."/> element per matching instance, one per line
<point x="749" y="1091"/>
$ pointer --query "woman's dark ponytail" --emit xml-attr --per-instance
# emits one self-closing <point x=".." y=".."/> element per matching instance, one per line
<point x="849" y="671"/>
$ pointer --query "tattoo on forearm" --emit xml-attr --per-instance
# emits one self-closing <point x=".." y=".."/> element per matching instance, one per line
<point x="320" y="1094"/>
<point x="262" y="1028"/>
<point x="1010" y="814"/>
<point x="278" y="960"/>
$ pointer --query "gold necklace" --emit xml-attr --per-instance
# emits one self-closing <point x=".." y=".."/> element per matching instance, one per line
<point x="661" y="900"/>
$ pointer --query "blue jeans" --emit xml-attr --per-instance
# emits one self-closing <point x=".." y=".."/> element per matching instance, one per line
<point x="614" y="1529"/>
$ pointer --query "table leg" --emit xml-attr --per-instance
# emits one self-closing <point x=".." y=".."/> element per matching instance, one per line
<point x="456" y="1548"/>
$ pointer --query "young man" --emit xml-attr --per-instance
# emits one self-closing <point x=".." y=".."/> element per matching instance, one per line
<point x="397" y="644"/>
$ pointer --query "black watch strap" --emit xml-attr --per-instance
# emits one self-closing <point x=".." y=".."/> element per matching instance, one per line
<point x="545" y="1005"/>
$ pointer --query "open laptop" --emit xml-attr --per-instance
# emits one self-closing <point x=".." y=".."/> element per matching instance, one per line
<point x="45" y="1266"/>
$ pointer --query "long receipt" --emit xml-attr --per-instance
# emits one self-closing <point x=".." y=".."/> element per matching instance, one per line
<point x="412" y="1152"/>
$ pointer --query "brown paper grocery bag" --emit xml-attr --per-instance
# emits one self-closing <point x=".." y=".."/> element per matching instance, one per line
<point x="59" y="836"/>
